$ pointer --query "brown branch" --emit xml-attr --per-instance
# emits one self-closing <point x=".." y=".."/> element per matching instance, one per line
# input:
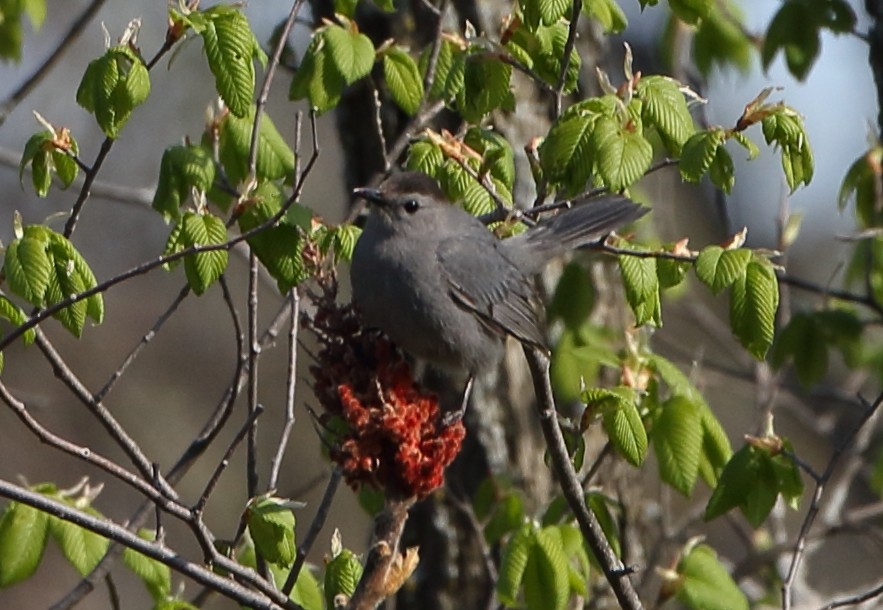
<point x="616" y="573"/>
<point x="855" y="599"/>
<point x="290" y="389"/>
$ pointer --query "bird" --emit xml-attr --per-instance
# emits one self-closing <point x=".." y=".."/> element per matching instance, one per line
<point x="444" y="288"/>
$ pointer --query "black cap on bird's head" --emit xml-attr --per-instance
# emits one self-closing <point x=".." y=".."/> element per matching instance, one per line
<point x="401" y="185"/>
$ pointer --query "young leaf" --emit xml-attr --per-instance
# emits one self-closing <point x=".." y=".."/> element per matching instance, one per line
<point x="677" y="440"/>
<point x="707" y="585"/>
<point x="804" y="341"/>
<point x="515" y="556"/>
<point x="82" y="548"/>
<point x="641" y="288"/>
<point x="749" y="482"/>
<point x="546" y="584"/>
<point x="665" y="108"/>
<point x="622" y="153"/>
<point x="716" y="450"/>
<point x="508" y="515"/>
<point x="785" y="128"/>
<point x="621" y="421"/>
<point x="718" y="268"/>
<point x="182" y="169"/>
<point x="306" y="592"/>
<point x="44" y="155"/>
<point x="203" y="268"/>
<point x="721" y="41"/>
<point x="23" y="533"/>
<point x="157" y="576"/>
<point x="16" y="316"/>
<point x="317" y="77"/>
<point x="28" y="267"/>
<point x="403" y="79"/>
<point x="112" y="86"/>
<point x="351" y="52"/>
<point x="699" y="153"/>
<point x="753" y="303"/>
<point x="795" y="31"/>
<point x="230" y="48"/>
<point x="485" y="88"/>
<point x="691" y="11"/>
<point x="275" y="159"/>
<point x="496" y="152"/>
<point x="426" y="157"/>
<point x="271" y="525"/>
<point x="567" y="153"/>
<point x="342" y="575"/>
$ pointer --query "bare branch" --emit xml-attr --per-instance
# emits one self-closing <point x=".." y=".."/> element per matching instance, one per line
<point x="288" y="425"/>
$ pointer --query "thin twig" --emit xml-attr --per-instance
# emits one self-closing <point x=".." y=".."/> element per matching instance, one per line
<point x="147" y="338"/>
<point x="568" y="50"/>
<point x="253" y="357"/>
<point x="315" y="528"/>
<point x="199" y="507"/>
<point x="855" y="599"/>
<point x="800" y="544"/>
<point x="73" y="32"/>
<point x="290" y="388"/>
<point x="616" y="573"/>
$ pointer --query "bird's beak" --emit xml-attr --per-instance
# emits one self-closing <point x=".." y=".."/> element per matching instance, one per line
<point x="371" y="195"/>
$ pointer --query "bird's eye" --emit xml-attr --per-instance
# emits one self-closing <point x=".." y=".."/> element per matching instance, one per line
<point x="411" y="206"/>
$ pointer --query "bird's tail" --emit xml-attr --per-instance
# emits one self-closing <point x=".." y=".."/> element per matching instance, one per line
<point x="581" y="225"/>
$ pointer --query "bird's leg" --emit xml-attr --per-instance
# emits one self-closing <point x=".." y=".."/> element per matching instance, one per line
<point x="453" y="417"/>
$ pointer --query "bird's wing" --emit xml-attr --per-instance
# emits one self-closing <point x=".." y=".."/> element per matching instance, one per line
<point x="484" y="281"/>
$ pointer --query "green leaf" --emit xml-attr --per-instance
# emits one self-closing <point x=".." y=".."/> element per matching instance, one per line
<point x="16" y="316"/>
<point x="608" y="13"/>
<point x="671" y="272"/>
<point x="271" y="525"/>
<point x="22" y="539"/>
<point x="403" y="79"/>
<point x="36" y="11"/>
<point x="716" y="450"/>
<point x="351" y="52"/>
<point x="546" y="584"/>
<point x="27" y="267"/>
<point x="342" y="575"/>
<point x="677" y="436"/>
<point x="665" y="107"/>
<point x="515" y="555"/>
<point x="691" y="11"/>
<point x="699" y="152"/>
<point x="64" y="282"/>
<point x="44" y="155"/>
<point x="157" y="576"/>
<point x="805" y="342"/>
<point x="795" y="31"/>
<point x="112" y="86"/>
<point x="70" y="262"/>
<point x="306" y="592"/>
<point x="623" y="154"/>
<point x="785" y="128"/>
<point x="721" y="41"/>
<point x="707" y="585"/>
<point x="275" y="159"/>
<point x="641" y="283"/>
<point x="748" y="482"/>
<point x="722" y="172"/>
<point x="621" y="421"/>
<point x="203" y="268"/>
<point x="230" y="48"/>
<point x="567" y="153"/>
<point x="82" y="548"/>
<point x="753" y="303"/>
<point x="508" y="515"/>
<point x="497" y="155"/>
<point x="280" y="247"/>
<point x="718" y="268"/>
<point x="574" y="296"/>
<point x="182" y="169"/>
<point x="317" y="77"/>
<point x="485" y="88"/>
<point x="426" y="157"/>
<point x="600" y="504"/>
<point x="579" y="565"/>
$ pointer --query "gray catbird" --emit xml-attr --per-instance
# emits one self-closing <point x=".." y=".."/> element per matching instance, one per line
<point x="443" y="287"/>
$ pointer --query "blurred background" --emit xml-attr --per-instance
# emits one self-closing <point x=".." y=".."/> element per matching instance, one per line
<point x="166" y="397"/>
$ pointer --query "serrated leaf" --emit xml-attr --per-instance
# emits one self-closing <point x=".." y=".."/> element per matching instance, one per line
<point x="567" y="153"/>
<point x="707" y="585"/>
<point x="203" y="268"/>
<point x="403" y="79"/>
<point x="716" y="450"/>
<point x="641" y="284"/>
<point x="677" y="441"/>
<point x="748" y="482"/>
<point x="622" y="153"/>
<point x="722" y="172"/>
<point x="271" y="525"/>
<point x="785" y="128"/>
<point x="182" y="169"/>
<point x="718" y="268"/>
<point x="342" y="575"/>
<point x="608" y="13"/>
<point x="275" y="159"/>
<point x="230" y="48"/>
<point x="351" y="52"/>
<point x="626" y="431"/>
<point x="156" y="576"/>
<point x="23" y="532"/>
<point x="28" y="268"/>
<point x="426" y="157"/>
<point x="82" y="548"/>
<point x="16" y="316"/>
<point x="112" y="86"/>
<point x="63" y="283"/>
<point x="753" y="303"/>
<point x="64" y="253"/>
<point x="497" y="155"/>
<point x="515" y="555"/>
<point x="306" y="592"/>
<point x="699" y="153"/>
<point x="485" y="88"/>
<point x="545" y="581"/>
<point x="665" y="107"/>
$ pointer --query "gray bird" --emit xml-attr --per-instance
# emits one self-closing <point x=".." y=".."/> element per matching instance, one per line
<point x="444" y="288"/>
